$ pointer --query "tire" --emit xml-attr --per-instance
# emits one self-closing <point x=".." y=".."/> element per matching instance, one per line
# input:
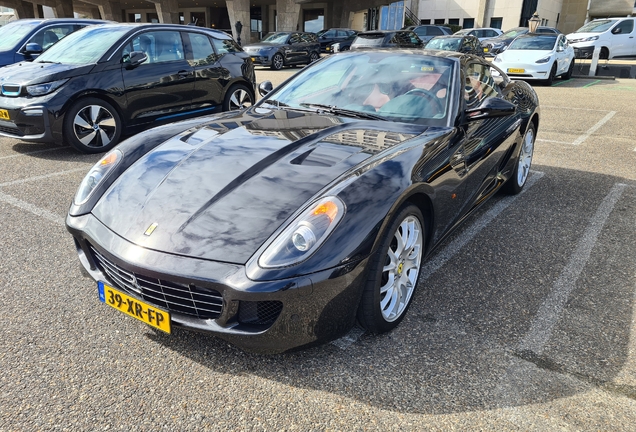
<point x="277" y="62"/>
<point x="237" y="97"/>
<point x="604" y="54"/>
<point x="552" y="75"/>
<point x="314" y="56"/>
<point x="393" y="271"/>
<point x="92" y="125"/>
<point x="519" y="176"/>
<point x="568" y="74"/>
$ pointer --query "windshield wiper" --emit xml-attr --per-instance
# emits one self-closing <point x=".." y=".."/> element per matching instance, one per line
<point x="344" y="111"/>
<point x="48" y="61"/>
<point x="276" y="103"/>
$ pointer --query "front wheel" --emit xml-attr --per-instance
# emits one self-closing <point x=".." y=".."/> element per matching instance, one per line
<point x="568" y="74"/>
<point x="393" y="272"/>
<point x="237" y="97"/>
<point x="92" y="125"/>
<point x="519" y="176"/>
<point x="278" y="62"/>
<point x="552" y="75"/>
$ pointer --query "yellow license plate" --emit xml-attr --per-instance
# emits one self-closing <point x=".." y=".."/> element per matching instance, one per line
<point x="138" y="309"/>
<point x="4" y="114"/>
<point x="253" y="59"/>
<point x="485" y="49"/>
<point x="513" y="70"/>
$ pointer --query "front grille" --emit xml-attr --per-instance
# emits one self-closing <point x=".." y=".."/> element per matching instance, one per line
<point x="170" y="296"/>
<point x="11" y="131"/>
<point x="11" y="89"/>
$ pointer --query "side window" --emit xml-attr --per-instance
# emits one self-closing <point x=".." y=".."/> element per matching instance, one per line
<point x="159" y="46"/>
<point x="224" y="46"/>
<point x="626" y="26"/>
<point x="295" y="38"/>
<point x="330" y="34"/>
<point x="434" y="31"/>
<point x="202" y="51"/>
<point x="306" y="37"/>
<point x="51" y="34"/>
<point x="479" y="84"/>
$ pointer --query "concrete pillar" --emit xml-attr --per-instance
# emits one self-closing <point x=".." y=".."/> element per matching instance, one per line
<point x="239" y="10"/>
<point x="336" y="15"/>
<point x="288" y="15"/>
<point x="21" y="9"/>
<point x="63" y="9"/>
<point x="108" y="10"/>
<point x="167" y="11"/>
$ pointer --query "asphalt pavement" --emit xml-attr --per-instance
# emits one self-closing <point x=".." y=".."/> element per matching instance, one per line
<point x="525" y="319"/>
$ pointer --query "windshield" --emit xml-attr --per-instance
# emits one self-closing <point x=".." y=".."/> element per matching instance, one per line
<point x="85" y="46"/>
<point x="596" y="26"/>
<point x="535" y="43"/>
<point x="402" y="87"/>
<point x="448" y="44"/>
<point x="369" y="39"/>
<point x="14" y="32"/>
<point x="513" y="33"/>
<point x="276" y="38"/>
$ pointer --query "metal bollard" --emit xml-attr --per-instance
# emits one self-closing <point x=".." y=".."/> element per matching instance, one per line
<point x="594" y="64"/>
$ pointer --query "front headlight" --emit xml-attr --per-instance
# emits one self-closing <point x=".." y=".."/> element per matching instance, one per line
<point x="589" y="39"/>
<point x="96" y="175"/>
<point x="304" y="235"/>
<point x="544" y="60"/>
<point x="42" y="89"/>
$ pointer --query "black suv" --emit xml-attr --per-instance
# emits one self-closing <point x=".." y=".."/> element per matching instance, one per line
<point x="428" y="32"/>
<point x="105" y="81"/>
<point x="25" y="39"/>
<point x="284" y="49"/>
<point x="387" y="38"/>
<point x="332" y="35"/>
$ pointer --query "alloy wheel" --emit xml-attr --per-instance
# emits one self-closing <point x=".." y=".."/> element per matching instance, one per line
<point x="401" y="268"/>
<point x="94" y="126"/>
<point x="525" y="157"/>
<point x="240" y="99"/>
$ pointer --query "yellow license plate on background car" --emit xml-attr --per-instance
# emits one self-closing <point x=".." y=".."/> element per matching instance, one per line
<point x="142" y="311"/>
<point x="485" y="49"/>
<point x="513" y="70"/>
<point x="4" y="114"/>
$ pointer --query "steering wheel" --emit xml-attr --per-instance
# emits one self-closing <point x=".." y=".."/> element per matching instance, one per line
<point x="429" y="95"/>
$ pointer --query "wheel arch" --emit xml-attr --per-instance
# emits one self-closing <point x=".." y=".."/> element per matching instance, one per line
<point x="97" y="95"/>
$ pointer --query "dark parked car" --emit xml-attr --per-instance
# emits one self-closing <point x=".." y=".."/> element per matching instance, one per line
<point x="343" y="45"/>
<point x="427" y="32"/>
<point x="25" y="39"/>
<point x="106" y="81"/>
<point x="278" y="226"/>
<point x="386" y="39"/>
<point x="466" y="44"/>
<point x="494" y="46"/>
<point x="280" y="49"/>
<point x="329" y="36"/>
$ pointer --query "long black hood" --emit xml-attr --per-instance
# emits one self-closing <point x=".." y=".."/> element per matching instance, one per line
<point x="218" y="193"/>
<point x="27" y="73"/>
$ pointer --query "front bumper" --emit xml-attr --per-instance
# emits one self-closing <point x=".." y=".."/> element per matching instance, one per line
<point x="297" y="312"/>
<point x="26" y="122"/>
<point x="531" y="71"/>
<point x="261" y="60"/>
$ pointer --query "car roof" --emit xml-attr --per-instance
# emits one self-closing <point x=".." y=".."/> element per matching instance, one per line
<point x="219" y="33"/>
<point x="62" y="20"/>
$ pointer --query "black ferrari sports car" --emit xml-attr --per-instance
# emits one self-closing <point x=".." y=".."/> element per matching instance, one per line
<point x="280" y="225"/>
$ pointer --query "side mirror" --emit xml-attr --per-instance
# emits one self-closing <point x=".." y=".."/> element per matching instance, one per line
<point x="265" y="88"/>
<point x="33" y="48"/>
<point x="560" y="49"/>
<point x="134" y="59"/>
<point x="491" y="107"/>
<point x="617" y="30"/>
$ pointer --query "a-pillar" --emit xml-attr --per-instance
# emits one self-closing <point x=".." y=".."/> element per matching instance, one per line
<point x="63" y="9"/>
<point x="167" y="10"/>
<point x="239" y="10"/>
<point x="287" y="15"/>
<point x="108" y="10"/>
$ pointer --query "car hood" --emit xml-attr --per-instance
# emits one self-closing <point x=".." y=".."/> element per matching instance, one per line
<point x="577" y="36"/>
<point x="26" y="73"/>
<point x="259" y="46"/>
<point x="523" y="55"/>
<point x="497" y="40"/>
<point x="220" y="192"/>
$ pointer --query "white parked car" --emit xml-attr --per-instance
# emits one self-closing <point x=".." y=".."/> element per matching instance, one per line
<point x="616" y="37"/>
<point x="480" y="33"/>
<point x="537" y="57"/>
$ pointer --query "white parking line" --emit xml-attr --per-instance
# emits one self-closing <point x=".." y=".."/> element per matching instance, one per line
<point x="594" y="128"/>
<point x="31" y="153"/>
<point x="448" y="252"/>
<point x="32" y="209"/>
<point x="42" y="177"/>
<point x="552" y="307"/>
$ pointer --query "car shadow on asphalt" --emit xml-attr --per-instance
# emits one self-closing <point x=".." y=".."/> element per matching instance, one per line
<point x="460" y="346"/>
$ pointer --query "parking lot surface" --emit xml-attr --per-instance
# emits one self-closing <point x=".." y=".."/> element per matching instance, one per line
<point x="525" y="319"/>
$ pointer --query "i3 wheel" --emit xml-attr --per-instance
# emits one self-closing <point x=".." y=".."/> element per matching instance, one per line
<point x="278" y="62"/>
<point x="568" y="74"/>
<point x="92" y="125"/>
<point x="393" y="272"/>
<point x="237" y="97"/>
<point x="314" y="56"/>
<point x="519" y="176"/>
<point x="552" y="75"/>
